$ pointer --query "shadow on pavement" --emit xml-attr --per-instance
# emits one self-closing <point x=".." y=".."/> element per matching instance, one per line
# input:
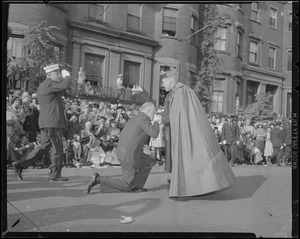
<point x="244" y="187"/>
<point x="50" y="216"/>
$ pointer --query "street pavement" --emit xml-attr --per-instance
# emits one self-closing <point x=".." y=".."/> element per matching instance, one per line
<point x="259" y="202"/>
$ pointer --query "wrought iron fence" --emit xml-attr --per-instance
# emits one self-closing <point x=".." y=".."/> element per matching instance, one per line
<point x="109" y="94"/>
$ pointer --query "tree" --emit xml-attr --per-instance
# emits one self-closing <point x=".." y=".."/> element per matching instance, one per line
<point x="260" y="110"/>
<point x="39" y="52"/>
<point x="210" y="62"/>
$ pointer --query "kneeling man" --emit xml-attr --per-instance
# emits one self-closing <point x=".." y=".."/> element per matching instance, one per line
<point x="135" y="164"/>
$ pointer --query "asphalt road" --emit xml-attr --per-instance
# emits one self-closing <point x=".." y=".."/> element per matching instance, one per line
<point x="259" y="202"/>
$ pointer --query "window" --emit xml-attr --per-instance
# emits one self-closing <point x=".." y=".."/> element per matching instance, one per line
<point x="220" y="43"/>
<point x="290" y="21"/>
<point x="133" y="16"/>
<point x="131" y="74"/>
<point x="15" y="47"/>
<point x="253" y="56"/>
<point x="272" y="57"/>
<point x="57" y="52"/>
<point x="169" y="21"/>
<point x="93" y="66"/>
<point x="96" y="12"/>
<point x="239" y="44"/>
<point x="289" y="61"/>
<point x="273" y="17"/>
<point x="217" y="100"/>
<point x="250" y="93"/>
<point x="254" y="11"/>
<point x="194" y="25"/>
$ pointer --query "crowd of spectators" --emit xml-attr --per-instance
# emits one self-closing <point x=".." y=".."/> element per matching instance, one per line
<point x="93" y="129"/>
<point x="265" y="142"/>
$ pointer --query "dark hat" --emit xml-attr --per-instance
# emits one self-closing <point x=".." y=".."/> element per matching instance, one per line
<point x="271" y="124"/>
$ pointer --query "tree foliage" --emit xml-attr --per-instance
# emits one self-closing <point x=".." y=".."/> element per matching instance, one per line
<point x="39" y="52"/>
<point x="260" y="110"/>
<point x="210" y="62"/>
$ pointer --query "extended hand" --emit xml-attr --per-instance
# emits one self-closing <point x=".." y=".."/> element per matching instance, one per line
<point x="65" y="73"/>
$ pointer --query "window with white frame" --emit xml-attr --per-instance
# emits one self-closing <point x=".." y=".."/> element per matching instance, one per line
<point x="169" y="21"/>
<point x="134" y="16"/>
<point x="131" y="73"/>
<point x="58" y="52"/>
<point x="253" y="54"/>
<point x="273" y="17"/>
<point x="272" y="57"/>
<point x="15" y="47"/>
<point x="289" y="60"/>
<point x="220" y="39"/>
<point x="290" y="28"/>
<point x="239" y="44"/>
<point x="96" y="12"/>
<point x="194" y="25"/>
<point x="217" y="98"/>
<point x="254" y="11"/>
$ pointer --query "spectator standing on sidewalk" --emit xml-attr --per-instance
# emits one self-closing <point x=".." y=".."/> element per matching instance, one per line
<point x="268" y="147"/>
<point x="277" y="136"/>
<point x="230" y="138"/>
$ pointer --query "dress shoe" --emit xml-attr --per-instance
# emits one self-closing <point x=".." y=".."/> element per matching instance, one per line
<point x="93" y="182"/>
<point x="18" y="170"/>
<point x="59" y="179"/>
<point x="138" y="190"/>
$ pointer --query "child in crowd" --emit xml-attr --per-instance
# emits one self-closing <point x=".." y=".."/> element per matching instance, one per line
<point x="77" y="147"/>
<point x="67" y="160"/>
<point x="158" y="143"/>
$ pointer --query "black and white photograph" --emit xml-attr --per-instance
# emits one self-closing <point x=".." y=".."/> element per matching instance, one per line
<point x="150" y="119"/>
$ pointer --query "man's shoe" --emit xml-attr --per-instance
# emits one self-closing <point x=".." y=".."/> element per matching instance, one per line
<point x="93" y="182"/>
<point x="59" y="179"/>
<point x="138" y="190"/>
<point x="18" y="170"/>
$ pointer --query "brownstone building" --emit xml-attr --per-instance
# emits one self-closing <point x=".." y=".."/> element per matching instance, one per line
<point x="256" y="53"/>
<point x="138" y="40"/>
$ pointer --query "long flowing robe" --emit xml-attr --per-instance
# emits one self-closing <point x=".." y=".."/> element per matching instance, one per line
<point x="198" y="165"/>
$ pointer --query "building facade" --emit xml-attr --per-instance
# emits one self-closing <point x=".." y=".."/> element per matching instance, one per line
<point x="256" y="54"/>
<point x="140" y="40"/>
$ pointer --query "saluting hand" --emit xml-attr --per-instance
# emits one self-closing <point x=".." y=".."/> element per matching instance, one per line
<point x="65" y="73"/>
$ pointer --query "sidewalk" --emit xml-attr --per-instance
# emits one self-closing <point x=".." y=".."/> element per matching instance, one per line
<point x="259" y="202"/>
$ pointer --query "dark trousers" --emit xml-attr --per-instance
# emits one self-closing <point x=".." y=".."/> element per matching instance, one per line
<point x="232" y="152"/>
<point x="131" y="176"/>
<point x="51" y="137"/>
<point x="276" y="153"/>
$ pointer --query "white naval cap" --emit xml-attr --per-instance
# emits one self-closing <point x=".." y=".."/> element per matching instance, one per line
<point x="51" y="68"/>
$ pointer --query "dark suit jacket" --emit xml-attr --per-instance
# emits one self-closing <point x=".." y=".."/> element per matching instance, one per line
<point x="287" y="134"/>
<point x="133" y="138"/>
<point x="230" y="133"/>
<point x="49" y="95"/>
<point x="277" y="136"/>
